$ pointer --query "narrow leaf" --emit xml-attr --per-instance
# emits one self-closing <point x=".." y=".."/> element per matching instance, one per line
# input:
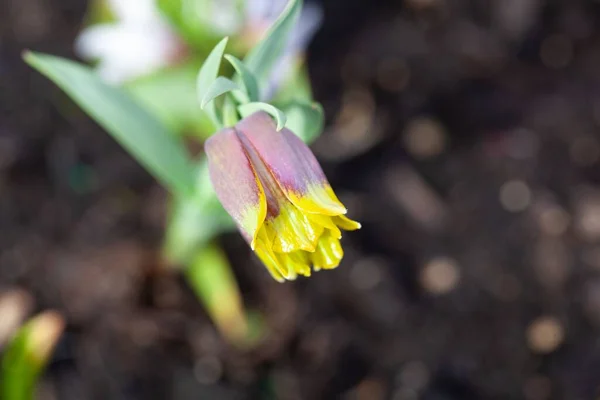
<point x="144" y="137"/>
<point x="192" y="224"/>
<point x="305" y="120"/>
<point x="251" y="108"/>
<point x="207" y="75"/>
<point x="210" y="276"/>
<point x="191" y="19"/>
<point x="230" y="114"/>
<point x="27" y="354"/>
<point x="246" y="76"/>
<point x="170" y="95"/>
<point x="184" y="231"/>
<point x="219" y="86"/>
<point x="295" y="87"/>
<point x="260" y="59"/>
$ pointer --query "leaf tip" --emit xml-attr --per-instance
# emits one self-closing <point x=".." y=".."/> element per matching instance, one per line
<point x="280" y="124"/>
<point x="223" y="42"/>
<point x="28" y="56"/>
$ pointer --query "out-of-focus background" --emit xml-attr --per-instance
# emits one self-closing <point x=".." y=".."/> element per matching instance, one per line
<point x="463" y="134"/>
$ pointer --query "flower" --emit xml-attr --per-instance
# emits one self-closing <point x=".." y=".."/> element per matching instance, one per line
<point x="273" y="187"/>
<point x="138" y="43"/>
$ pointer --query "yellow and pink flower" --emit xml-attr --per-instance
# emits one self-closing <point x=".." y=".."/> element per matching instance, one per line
<point x="275" y="190"/>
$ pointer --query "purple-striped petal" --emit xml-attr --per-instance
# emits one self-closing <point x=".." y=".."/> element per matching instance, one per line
<point x="235" y="182"/>
<point x="292" y="164"/>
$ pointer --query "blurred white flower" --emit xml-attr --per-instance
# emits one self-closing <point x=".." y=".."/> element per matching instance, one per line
<point x="141" y="40"/>
<point x="138" y="43"/>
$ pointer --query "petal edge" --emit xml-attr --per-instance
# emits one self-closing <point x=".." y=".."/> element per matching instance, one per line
<point x="235" y="182"/>
<point x="292" y="164"/>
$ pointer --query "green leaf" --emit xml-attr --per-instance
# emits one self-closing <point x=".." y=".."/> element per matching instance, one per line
<point x="219" y="87"/>
<point x="145" y="138"/>
<point x="210" y="276"/>
<point x="262" y="57"/>
<point x="251" y="108"/>
<point x="192" y="225"/>
<point x="207" y="75"/>
<point x="193" y="221"/>
<point x="305" y="120"/>
<point x="27" y="355"/>
<point x="295" y="87"/>
<point x="170" y="95"/>
<point x="230" y="114"/>
<point x="246" y="76"/>
<point x="193" y="20"/>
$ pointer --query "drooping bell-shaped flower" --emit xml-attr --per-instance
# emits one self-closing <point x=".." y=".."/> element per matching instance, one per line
<point x="275" y="190"/>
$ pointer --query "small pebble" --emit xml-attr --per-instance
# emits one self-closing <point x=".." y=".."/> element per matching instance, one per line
<point x="545" y="334"/>
<point x="440" y="275"/>
<point x="515" y="196"/>
<point x="424" y="138"/>
<point x="554" y="221"/>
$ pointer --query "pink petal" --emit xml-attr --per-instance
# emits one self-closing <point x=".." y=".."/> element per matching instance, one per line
<point x="235" y="182"/>
<point x="292" y="164"/>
